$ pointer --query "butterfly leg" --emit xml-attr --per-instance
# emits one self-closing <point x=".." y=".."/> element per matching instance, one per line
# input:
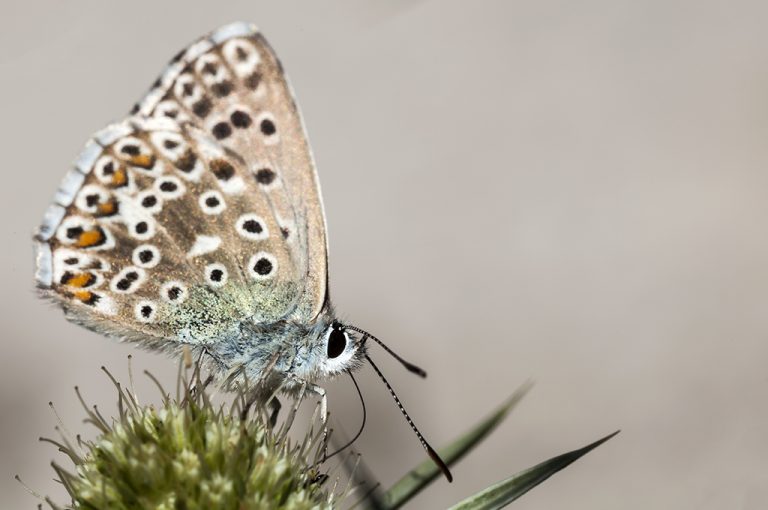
<point x="321" y="393"/>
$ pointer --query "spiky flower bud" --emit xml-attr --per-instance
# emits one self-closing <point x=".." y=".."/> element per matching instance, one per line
<point x="191" y="454"/>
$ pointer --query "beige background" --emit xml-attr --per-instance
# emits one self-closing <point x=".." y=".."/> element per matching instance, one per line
<point x="574" y="192"/>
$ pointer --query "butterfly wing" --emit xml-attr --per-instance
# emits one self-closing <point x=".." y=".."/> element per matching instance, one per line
<point x="231" y="85"/>
<point x="199" y="211"/>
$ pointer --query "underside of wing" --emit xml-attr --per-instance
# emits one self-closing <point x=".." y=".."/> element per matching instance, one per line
<point x="231" y="85"/>
<point x="158" y="234"/>
<point x="198" y="212"/>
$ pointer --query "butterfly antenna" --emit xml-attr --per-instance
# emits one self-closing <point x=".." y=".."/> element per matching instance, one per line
<point x="430" y="451"/>
<point x="362" y="425"/>
<point x="409" y="366"/>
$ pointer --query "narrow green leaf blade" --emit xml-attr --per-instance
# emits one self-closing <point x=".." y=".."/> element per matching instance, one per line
<point x="504" y="492"/>
<point x="426" y="472"/>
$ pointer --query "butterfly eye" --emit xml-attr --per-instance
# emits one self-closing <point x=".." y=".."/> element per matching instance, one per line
<point x="337" y="342"/>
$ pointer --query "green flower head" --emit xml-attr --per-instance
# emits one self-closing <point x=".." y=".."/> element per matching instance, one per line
<point x="190" y="454"/>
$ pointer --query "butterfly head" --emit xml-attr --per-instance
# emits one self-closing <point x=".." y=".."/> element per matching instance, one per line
<point x="343" y="350"/>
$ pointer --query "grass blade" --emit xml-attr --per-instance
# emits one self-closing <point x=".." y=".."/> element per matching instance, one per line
<point x="426" y="472"/>
<point x="502" y="493"/>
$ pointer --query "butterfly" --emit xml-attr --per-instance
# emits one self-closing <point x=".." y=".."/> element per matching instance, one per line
<point x="197" y="222"/>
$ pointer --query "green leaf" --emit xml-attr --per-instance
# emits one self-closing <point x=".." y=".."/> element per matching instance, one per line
<point x="501" y="494"/>
<point x="423" y="474"/>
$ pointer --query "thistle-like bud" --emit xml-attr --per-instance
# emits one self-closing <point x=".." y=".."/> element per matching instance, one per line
<point x="189" y="453"/>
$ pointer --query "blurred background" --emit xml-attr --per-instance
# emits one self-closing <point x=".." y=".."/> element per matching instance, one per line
<point x="572" y="192"/>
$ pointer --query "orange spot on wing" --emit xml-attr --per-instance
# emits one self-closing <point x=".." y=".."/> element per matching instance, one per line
<point x="107" y="208"/>
<point x="89" y="238"/>
<point x="143" y="160"/>
<point x="80" y="280"/>
<point x="83" y="295"/>
<point x="120" y="177"/>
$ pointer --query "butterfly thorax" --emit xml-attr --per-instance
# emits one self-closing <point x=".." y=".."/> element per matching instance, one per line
<point x="285" y="354"/>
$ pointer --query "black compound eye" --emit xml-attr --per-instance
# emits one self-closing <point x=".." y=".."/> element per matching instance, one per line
<point x="337" y="342"/>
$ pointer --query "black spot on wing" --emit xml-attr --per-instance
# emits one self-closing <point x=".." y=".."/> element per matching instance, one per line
<point x="221" y="130"/>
